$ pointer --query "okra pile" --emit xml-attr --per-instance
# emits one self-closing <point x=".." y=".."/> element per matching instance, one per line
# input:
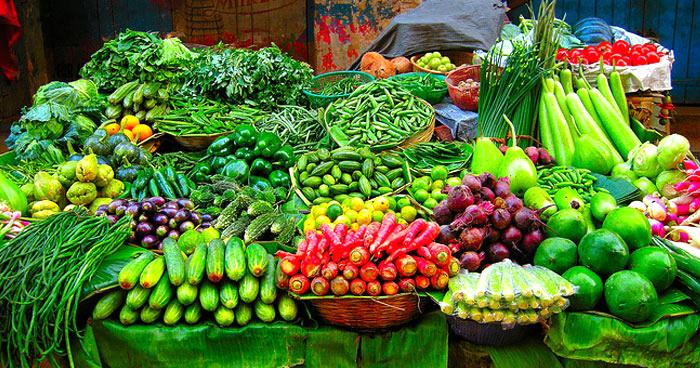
<point x="557" y="177"/>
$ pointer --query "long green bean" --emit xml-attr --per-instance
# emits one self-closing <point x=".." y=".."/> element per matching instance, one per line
<point x="295" y="125"/>
<point x="337" y="87"/>
<point x="424" y="156"/>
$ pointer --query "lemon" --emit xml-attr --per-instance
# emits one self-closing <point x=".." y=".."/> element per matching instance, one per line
<point x="408" y="213"/>
<point x="357" y="204"/>
<point x="369" y="207"/>
<point x="401" y="221"/>
<point x="318" y="211"/>
<point x="351" y="214"/>
<point x="364" y="217"/>
<point x="346" y="202"/>
<point x="342" y="219"/>
<point x="334" y="210"/>
<point x="381" y="204"/>
<point x="309" y="224"/>
<point x="377" y="216"/>
<point x="437" y="184"/>
<point x="454" y="181"/>
<point x="333" y="202"/>
<point x="355" y="226"/>
<point x="320" y="220"/>
<point x="403" y="202"/>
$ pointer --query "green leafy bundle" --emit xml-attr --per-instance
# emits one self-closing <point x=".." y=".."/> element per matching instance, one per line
<point x="265" y="78"/>
<point x="137" y="56"/>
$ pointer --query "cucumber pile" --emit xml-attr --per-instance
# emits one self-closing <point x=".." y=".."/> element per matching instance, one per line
<point x="323" y="175"/>
<point x="227" y="282"/>
<point x="143" y="100"/>
<point x="507" y="293"/>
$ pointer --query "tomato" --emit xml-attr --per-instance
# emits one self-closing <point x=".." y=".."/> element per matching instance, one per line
<point x="621" y="62"/>
<point x="615" y="57"/>
<point x="590" y="48"/>
<point x="606" y="56"/>
<point x="662" y="54"/>
<point x="649" y="48"/>
<point x="604" y="46"/>
<point x="653" y="57"/>
<point x="562" y="54"/>
<point x="627" y="60"/>
<point x="607" y="62"/>
<point x="621" y="47"/>
<point x="640" y="60"/>
<point x="636" y="48"/>
<point x="634" y="55"/>
<point x="592" y="56"/>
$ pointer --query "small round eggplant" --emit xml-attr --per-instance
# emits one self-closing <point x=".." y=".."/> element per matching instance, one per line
<point x="148" y="207"/>
<point x="186" y="225"/>
<point x="205" y="225"/>
<point x="103" y="207"/>
<point x="158" y="201"/>
<point x="196" y="218"/>
<point x="174" y="234"/>
<point x="160" y="219"/>
<point x="112" y="219"/>
<point x="173" y="224"/>
<point x="170" y="212"/>
<point x="172" y="205"/>
<point x="162" y="230"/>
<point x="205" y="217"/>
<point x="100" y="213"/>
<point x="185" y="203"/>
<point x="133" y="210"/>
<point x="182" y="215"/>
<point x="143" y="218"/>
<point x="144" y="228"/>
<point x="120" y="210"/>
<point x="149" y="241"/>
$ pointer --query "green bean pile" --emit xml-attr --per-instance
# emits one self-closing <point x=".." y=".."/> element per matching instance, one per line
<point x="557" y="177"/>
<point x="380" y="112"/>
<point x="42" y="272"/>
<point x="424" y="156"/>
<point x="338" y="87"/>
<point x="427" y="81"/>
<point x="204" y="117"/>
<point x="180" y="161"/>
<point x="294" y="125"/>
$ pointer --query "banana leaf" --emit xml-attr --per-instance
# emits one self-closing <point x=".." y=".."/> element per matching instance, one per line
<point x="108" y="271"/>
<point x="622" y="190"/>
<point x="670" y="342"/>
<point x="528" y="353"/>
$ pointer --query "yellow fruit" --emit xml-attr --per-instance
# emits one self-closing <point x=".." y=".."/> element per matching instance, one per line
<point x="401" y="221"/>
<point x="381" y="204"/>
<point x="409" y="213"/>
<point x="377" y="216"/>
<point x="344" y="220"/>
<point x="346" y="202"/>
<point x="364" y="217"/>
<point x="437" y="184"/>
<point x="323" y="219"/>
<point x="357" y="204"/>
<point x="129" y="122"/>
<point x="352" y="215"/>
<point x="403" y="202"/>
<point x="369" y="207"/>
<point x="309" y="224"/>
<point x="333" y="202"/>
<point x="318" y="211"/>
<point x="354" y="226"/>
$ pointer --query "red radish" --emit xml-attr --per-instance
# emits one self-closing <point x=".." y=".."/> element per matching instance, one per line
<point x="407" y="285"/>
<point x="299" y="284"/>
<point x="413" y="230"/>
<point x="359" y="256"/>
<point x="533" y="154"/>
<point x="289" y="265"/>
<point x="388" y="223"/>
<point x="371" y="234"/>
<point x="459" y="198"/>
<point x="310" y="266"/>
<point x="281" y="254"/>
<point x="340" y="286"/>
<point x="390" y="288"/>
<point x="498" y="252"/>
<point x="471" y="261"/>
<point x="406" y="265"/>
<point x="439" y="254"/>
<point x="387" y="271"/>
<point x="439" y="280"/>
<point x="350" y="272"/>
<point x="330" y="270"/>
<point x="426" y="268"/>
<point x="319" y="286"/>
<point x="369" y="272"/>
<point x="503" y="149"/>
<point x="471" y="239"/>
<point x="544" y="157"/>
<point x="690" y="165"/>
<point x="374" y="288"/>
<point x="452" y="268"/>
<point x="358" y="287"/>
<point x="422" y="282"/>
<point x="301" y="250"/>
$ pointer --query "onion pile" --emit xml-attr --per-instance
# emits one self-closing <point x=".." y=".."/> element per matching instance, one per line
<point x="484" y="223"/>
<point x="154" y="219"/>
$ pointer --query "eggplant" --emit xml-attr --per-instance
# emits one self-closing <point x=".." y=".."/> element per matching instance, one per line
<point x="185" y="203"/>
<point x="170" y="212"/>
<point x="144" y="228"/>
<point x="133" y="223"/>
<point x="132" y="238"/>
<point x="182" y="215"/>
<point x="100" y="212"/>
<point x="205" y="217"/>
<point x="196" y="218"/>
<point x="199" y="229"/>
<point x="112" y="206"/>
<point x="174" y="234"/>
<point x="120" y="210"/>
<point x="112" y="219"/>
<point x="162" y="230"/>
<point x="133" y="210"/>
<point x="187" y="225"/>
<point x="158" y="201"/>
<point x="172" y="205"/>
<point x="205" y="225"/>
<point x="103" y="207"/>
<point x="160" y="219"/>
<point x="143" y="218"/>
<point x="148" y="207"/>
<point x="173" y="224"/>
<point x="149" y="241"/>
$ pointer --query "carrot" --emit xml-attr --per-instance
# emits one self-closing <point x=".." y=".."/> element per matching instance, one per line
<point x="439" y="280"/>
<point x="301" y="250"/>
<point x="427" y="268"/>
<point x="358" y="287"/>
<point x="374" y="288"/>
<point x="341" y="229"/>
<point x="281" y="254"/>
<point x="407" y="285"/>
<point x="369" y="272"/>
<point x="359" y="256"/>
<point x="422" y="282"/>
<point x="354" y="238"/>
<point x="390" y="288"/>
<point x="406" y="265"/>
<point x="388" y="223"/>
<point x="325" y="258"/>
<point x="413" y="230"/>
<point x="323" y="244"/>
<point x="440" y="254"/>
<point x="290" y="265"/>
<point x="371" y="234"/>
<point x="330" y="270"/>
<point x="454" y="248"/>
<point x="426" y="236"/>
<point x="452" y="268"/>
<point x="312" y="239"/>
<point x="319" y="286"/>
<point x="332" y="237"/>
<point x="387" y="271"/>
<point x="340" y="286"/>
<point x="398" y="233"/>
<point x="350" y="272"/>
<point x="424" y="252"/>
<point x="299" y="284"/>
<point x="310" y="266"/>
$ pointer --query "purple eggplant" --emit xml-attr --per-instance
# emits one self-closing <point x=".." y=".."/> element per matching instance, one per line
<point x="100" y="213"/>
<point x="120" y="210"/>
<point x="196" y="218"/>
<point x="133" y="210"/>
<point x="170" y="212"/>
<point x="160" y="219"/>
<point x="186" y="225"/>
<point x="172" y="205"/>
<point x="174" y="234"/>
<point x="112" y="219"/>
<point x="132" y="237"/>
<point x="143" y="218"/>
<point x="205" y="217"/>
<point x="162" y="230"/>
<point x="205" y="225"/>
<point x="112" y="206"/>
<point x="149" y="241"/>
<point x="144" y="228"/>
<point x="199" y="229"/>
<point x="182" y="215"/>
<point x="185" y="203"/>
<point x="158" y="201"/>
<point x="103" y="207"/>
<point x="173" y="224"/>
<point x="148" y="207"/>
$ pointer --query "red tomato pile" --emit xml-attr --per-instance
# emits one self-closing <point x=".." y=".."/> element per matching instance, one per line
<point x="620" y="52"/>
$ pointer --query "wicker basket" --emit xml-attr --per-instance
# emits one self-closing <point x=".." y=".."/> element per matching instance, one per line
<point x="367" y="313"/>
<point x="197" y="142"/>
<point x="458" y="58"/>
<point x="464" y="98"/>
<point x="490" y="334"/>
<point x="320" y="81"/>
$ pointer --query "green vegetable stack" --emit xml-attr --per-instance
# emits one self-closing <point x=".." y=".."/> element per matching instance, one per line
<point x="82" y="183"/>
<point x="508" y="294"/>
<point x="215" y="197"/>
<point x="119" y="152"/>
<point x="230" y="280"/>
<point x="143" y="100"/>
<point x="346" y="172"/>
<point x="166" y="182"/>
<point x="248" y="156"/>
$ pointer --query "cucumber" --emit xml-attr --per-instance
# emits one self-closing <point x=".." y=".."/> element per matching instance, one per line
<point x="349" y="166"/>
<point x="287" y="307"/>
<point x="209" y="296"/>
<point x="224" y="316"/>
<point x="228" y="294"/>
<point x="257" y="259"/>
<point x="150" y="90"/>
<point x="187" y="293"/>
<point x="129" y="275"/>
<point x="137" y="297"/>
<point x="108" y="304"/>
<point x="152" y="273"/>
<point x="161" y="294"/>
<point x="138" y="94"/>
<point x="128" y="315"/>
<point x="173" y="312"/>
<point x="197" y="264"/>
<point x="265" y="312"/>
<point x="268" y="290"/>
<point x="248" y="288"/>
<point x="193" y="313"/>
<point x="215" y="260"/>
<point x="244" y="313"/>
<point x="174" y="261"/>
<point x="150" y="315"/>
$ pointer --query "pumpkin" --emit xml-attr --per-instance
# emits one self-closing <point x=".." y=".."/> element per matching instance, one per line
<point x="402" y="65"/>
<point x="376" y="65"/>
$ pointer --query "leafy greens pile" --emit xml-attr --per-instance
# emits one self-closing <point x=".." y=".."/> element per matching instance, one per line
<point x="137" y="56"/>
<point x="63" y="114"/>
<point x="265" y="78"/>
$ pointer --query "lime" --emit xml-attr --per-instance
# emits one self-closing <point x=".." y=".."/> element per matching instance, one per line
<point x="333" y="202"/>
<point x="209" y="234"/>
<point x="435" y="63"/>
<point x="437" y="184"/>
<point x="408" y="213"/>
<point x="436" y="54"/>
<point x="381" y="204"/>
<point x="439" y="172"/>
<point x="454" y="181"/>
<point x="334" y="211"/>
<point x="392" y="204"/>
<point x="421" y="195"/>
<point x="364" y="217"/>
<point x="369" y="207"/>
<point x="309" y="224"/>
<point x="450" y="66"/>
<point x="445" y="60"/>
<point x="431" y="203"/>
<point x="320" y="220"/>
<point x="442" y="68"/>
<point x="438" y="195"/>
<point x="342" y="219"/>
<point x="351" y="214"/>
<point x="377" y="216"/>
<point x="318" y="211"/>
<point x="421" y="183"/>
<point x="346" y="202"/>
<point x="403" y="202"/>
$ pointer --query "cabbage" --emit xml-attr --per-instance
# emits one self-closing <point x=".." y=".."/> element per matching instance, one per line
<point x="645" y="163"/>
<point x="672" y="150"/>
<point x="665" y="181"/>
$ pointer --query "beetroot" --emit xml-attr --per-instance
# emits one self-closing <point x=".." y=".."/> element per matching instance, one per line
<point x="459" y="198"/>
<point x="500" y="218"/>
<point x="513" y="203"/>
<point x="472" y="238"/>
<point x="502" y="188"/>
<point x="446" y="235"/>
<point x="524" y="218"/>
<point x="503" y="149"/>
<point x="493" y="235"/>
<point x="471" y="261"/>
<point x="487" y="179"/>
<point x="533" y="154"/>
<point x="472" y="182"/>
<point x="532" y="240"/>
<point x="487" y="194"/>
<point x="511" y="235"/>
<point x="442" y="214"/>
<point x="473" y="216"/>
<point x="498" y="252"/>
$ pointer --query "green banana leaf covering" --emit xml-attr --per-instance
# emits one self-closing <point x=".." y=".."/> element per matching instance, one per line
<point x="106" y="276"/>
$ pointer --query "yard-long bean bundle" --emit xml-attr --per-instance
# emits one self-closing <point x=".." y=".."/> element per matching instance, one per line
<point x="295" y="125"/>
<point x="42" y="272"/>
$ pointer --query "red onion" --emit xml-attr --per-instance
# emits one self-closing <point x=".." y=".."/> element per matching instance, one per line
<point x="471" y="261"/>
<point x="500" y="218"/>
<point x="442" y="213"/>
<point x="498" y="252"/>
<point x="511" y="235"/>
<point x="472" y="238"/>
<point x="472" y="182"/>
<point x="459" y="198"/>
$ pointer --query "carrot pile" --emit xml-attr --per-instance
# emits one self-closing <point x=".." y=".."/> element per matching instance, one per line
<point x="379" y="258"/>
